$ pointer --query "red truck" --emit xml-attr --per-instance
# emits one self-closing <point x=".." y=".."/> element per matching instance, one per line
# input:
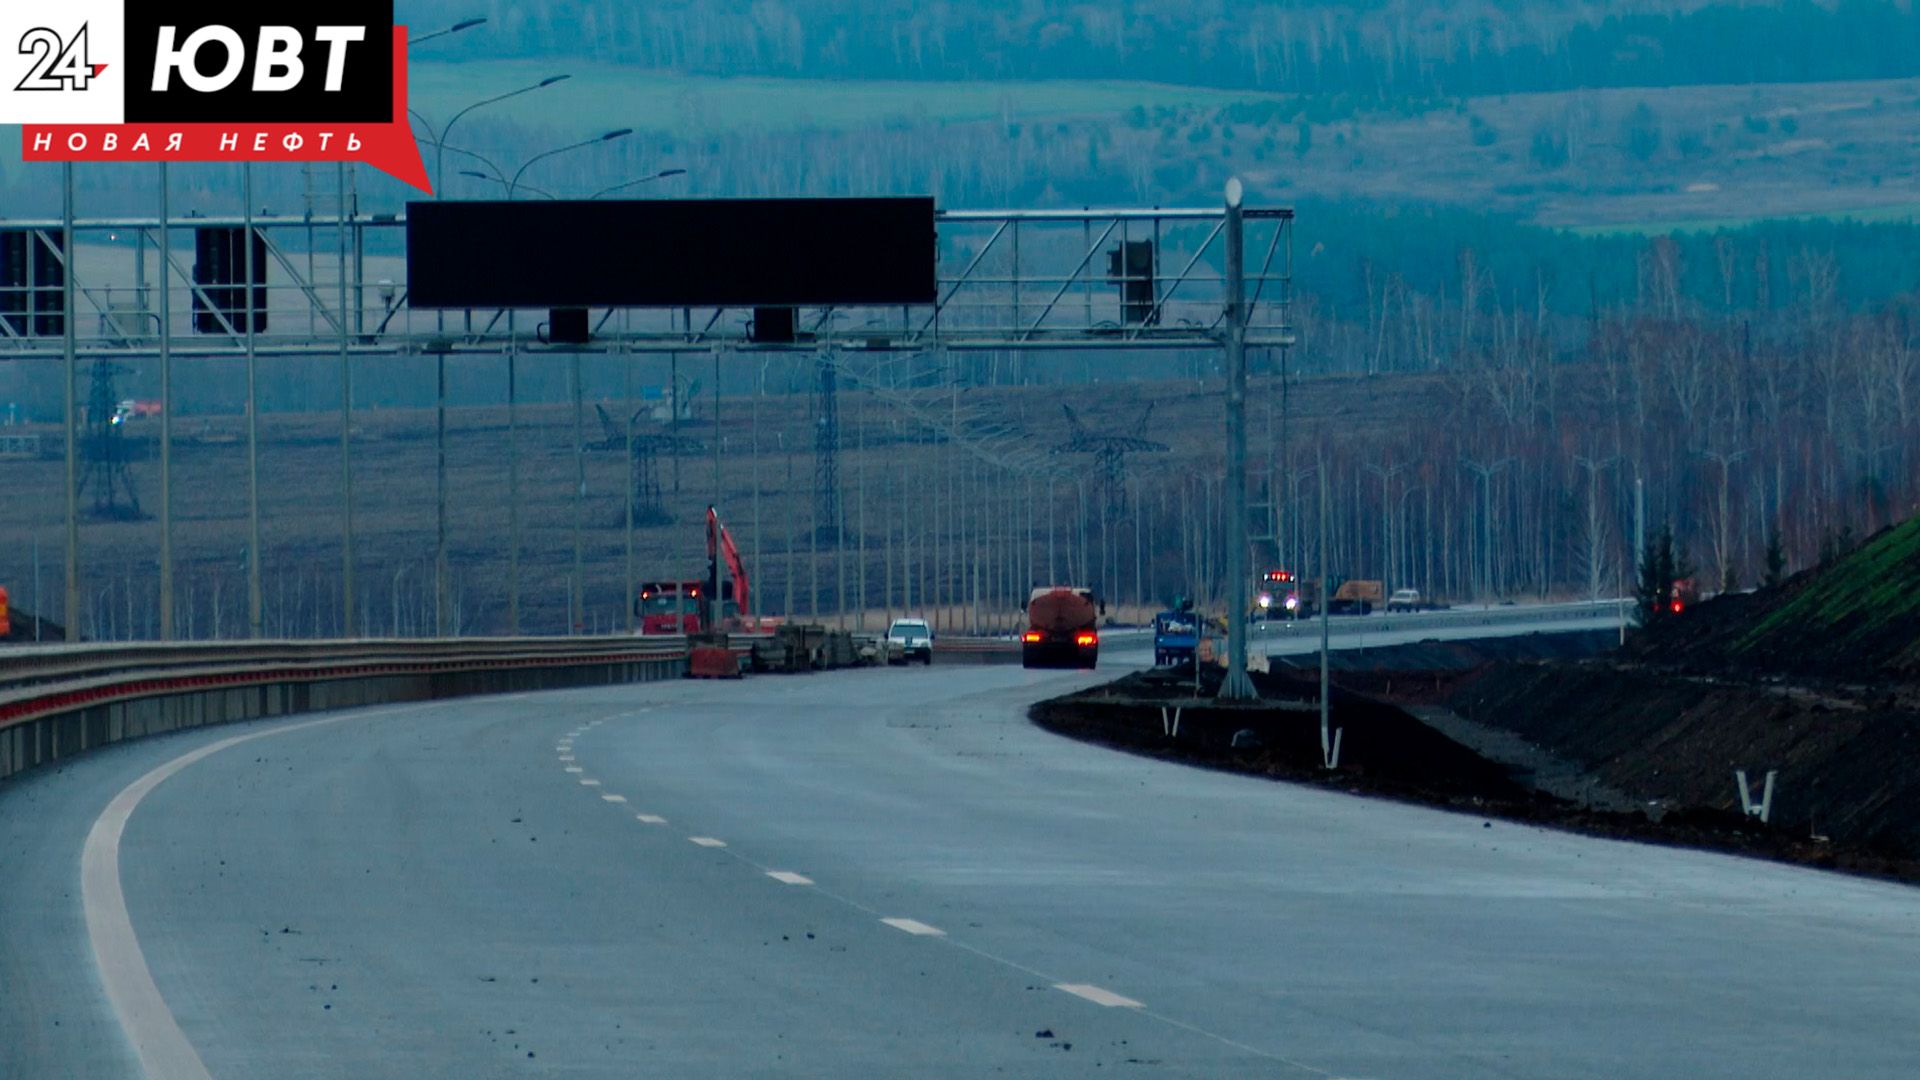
<point x="1062" y="628"/>
<point x="686" y="607"/>
<point x="672" y="607"/>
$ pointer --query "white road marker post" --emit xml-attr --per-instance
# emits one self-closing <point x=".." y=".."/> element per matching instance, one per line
<point x="1762" y="809"/>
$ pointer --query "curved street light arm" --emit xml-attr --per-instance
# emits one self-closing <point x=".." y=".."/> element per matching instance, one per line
<point x="498" y="173"/>
<point x="661" y="175"/>
<point x="596" y="140"/>
<point x="463" y="24"/>
<point x="440" y="141"/>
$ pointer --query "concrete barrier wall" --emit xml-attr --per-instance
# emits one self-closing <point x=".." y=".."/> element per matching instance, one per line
<point x="63" y="735"/>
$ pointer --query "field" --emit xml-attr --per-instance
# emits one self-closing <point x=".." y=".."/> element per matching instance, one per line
<point x="944" y="499"/>
<point x="654" y="100"/>
<point x="1638" y="160"/>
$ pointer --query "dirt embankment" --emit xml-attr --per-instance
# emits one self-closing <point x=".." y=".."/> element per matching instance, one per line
<point x="1600" y="746"/>
<point x="1816" y="680"/>
<point x="1383" y="750"/>
<point x="1848" y="790"/>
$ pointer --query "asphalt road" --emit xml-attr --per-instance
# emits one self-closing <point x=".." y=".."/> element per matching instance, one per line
<point x="431" y="891"/>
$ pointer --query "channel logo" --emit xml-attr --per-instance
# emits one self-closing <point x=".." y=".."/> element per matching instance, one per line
<point x="148" y="80"/>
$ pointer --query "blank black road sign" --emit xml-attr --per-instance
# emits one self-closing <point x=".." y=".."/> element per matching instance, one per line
<point x="671" y="253"/>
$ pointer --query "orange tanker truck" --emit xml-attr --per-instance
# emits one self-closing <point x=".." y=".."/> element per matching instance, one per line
<point x="1062" y="628"/>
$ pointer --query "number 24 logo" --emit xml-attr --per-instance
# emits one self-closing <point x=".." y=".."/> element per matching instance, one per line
<point x="57" y="65"/>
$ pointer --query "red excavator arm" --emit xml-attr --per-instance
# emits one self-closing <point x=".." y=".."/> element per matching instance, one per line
<point x="720" y="544"/>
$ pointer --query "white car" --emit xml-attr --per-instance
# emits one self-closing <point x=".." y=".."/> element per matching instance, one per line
<point x="913" y="638"/>
<point x="1404" y="600"/>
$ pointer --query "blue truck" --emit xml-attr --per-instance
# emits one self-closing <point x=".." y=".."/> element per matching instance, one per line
<point x="1176" y="637"/>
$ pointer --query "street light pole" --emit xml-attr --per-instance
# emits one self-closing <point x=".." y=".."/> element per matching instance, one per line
<point x="1237" y="686"/>
<point x="513" y="187"/>
<point x="626" y="409"/>
<point x="513" y="475"/>
<point x="440" y="600"/>
<point x="256" y="614"/>
<point x="73" y="406"/>
<point x="440" y="597"/>
<point x="346" y="429"/>
<point x="577" y="617"/>
<point x="166" y="419"/>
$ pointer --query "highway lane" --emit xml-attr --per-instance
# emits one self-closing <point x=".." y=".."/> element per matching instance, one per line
<point x="429" y="891"/>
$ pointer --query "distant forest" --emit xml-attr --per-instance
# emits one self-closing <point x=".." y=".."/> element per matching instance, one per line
<point x="1384" y="49"/>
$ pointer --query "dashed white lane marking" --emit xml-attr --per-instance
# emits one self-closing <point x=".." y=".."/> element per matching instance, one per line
<point x="614" y="798"/>
<point x="568" y="758"/>
<point x="575" y="769"/>
<point x="589" y="783"/>
<point x="915" y="926"/>
<point x="789" y="877"/>
<point x="1098" y="996"/>
<point x="650" y="819"/>
<point x="707" y="841"/>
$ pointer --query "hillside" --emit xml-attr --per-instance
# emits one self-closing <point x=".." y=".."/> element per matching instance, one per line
<point x="1814" y="679"/>
<point x="1857" y="619"/>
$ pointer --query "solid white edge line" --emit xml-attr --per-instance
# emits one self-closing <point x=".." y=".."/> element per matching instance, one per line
<point x="156" y="1036"/>
<point x="163" y="1049"/>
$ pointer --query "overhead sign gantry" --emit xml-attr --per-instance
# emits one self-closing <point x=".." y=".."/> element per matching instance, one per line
<point x="835" y="277"/>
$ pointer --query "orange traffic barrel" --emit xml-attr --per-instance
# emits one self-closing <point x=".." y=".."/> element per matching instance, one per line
<point x="6" y="623"/>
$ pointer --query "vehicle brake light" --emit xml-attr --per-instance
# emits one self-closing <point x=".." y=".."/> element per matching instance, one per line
<point x="1030" y="637"/>
<point x="1085" y="639"/>
<point x="1678" y="607"/>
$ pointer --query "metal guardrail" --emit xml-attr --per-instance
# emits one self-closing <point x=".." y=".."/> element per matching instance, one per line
<point x="32" y="664"/>
<point x="1600" y="613"/>
<point x="56" y="701"/>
